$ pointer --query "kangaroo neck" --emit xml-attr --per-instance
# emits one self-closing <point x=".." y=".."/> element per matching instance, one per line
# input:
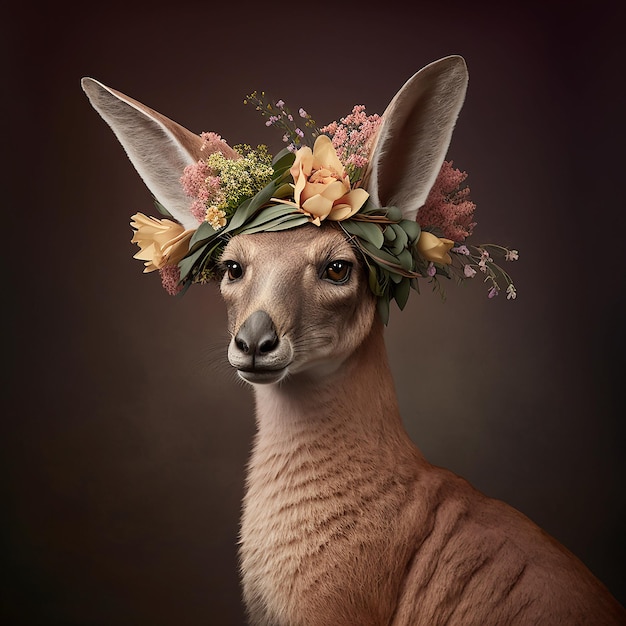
<point x="359" y="395"/>
<point x="327" y="450"/>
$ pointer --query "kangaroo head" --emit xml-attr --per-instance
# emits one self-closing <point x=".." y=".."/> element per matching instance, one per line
<point x="302" y="298"/>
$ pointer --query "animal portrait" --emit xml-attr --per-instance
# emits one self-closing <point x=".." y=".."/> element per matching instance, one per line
<point x="313" y="315"/>
<point x="344" y="521"/>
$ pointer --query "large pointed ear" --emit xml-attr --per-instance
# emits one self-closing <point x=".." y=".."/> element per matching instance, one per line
<point x="415" y="135"/>
<point x="159" y="148"/>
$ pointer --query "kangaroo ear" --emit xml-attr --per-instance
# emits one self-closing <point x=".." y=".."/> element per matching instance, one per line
<point x="159" y="148"/>
<point x="415" y="135"/>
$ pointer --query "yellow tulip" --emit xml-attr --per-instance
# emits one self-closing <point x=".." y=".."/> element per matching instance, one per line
<point x="161" y="242"/>
<point x="433" y="248"/>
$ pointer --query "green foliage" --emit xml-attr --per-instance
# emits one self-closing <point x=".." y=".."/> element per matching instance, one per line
<point x="387" y="243"/>
<point x="241" y="178"/>
<point x="254" y="214"/>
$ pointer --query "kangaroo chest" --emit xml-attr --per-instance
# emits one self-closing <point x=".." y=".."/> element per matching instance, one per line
<point x="322" y="536"/>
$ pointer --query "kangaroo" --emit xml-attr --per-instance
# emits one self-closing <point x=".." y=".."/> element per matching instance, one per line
<point x="344" y="522"/>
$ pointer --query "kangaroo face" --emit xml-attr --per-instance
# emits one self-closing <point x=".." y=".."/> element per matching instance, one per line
<point x="297" y="302"/>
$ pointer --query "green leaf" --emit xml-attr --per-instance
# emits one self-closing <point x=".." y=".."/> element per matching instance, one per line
<point x="291" y="222"/>
<point x="261" y="198"/>
<point x="382" y="304"/>
<point x="268" y="214"/>
<point x="401" y="239"/>
<point x="186" y="286"/>
<point x="284" y="158"/>
<point x="270" y="217"/>
<point x="389" y="233"/>
<point x="203" y="232"/>
<point x="369" y="207"/>
<point x="375" y="286"/>
<point x="381" y="256"/>
<point x="282" y="222"/>
<point x="401" y="293"/>
<point x="444" y="270"/>
<point x="284" y="191"/>
<point x="412" y="229"/>
<point x="366" y="231"/>
<point x="161" y="209"/>
<point x="249" y="207"/>
<point x="241" y="215"/>
<point x="211" y="254"/>
<point x="281" y="174"/>
<point x="406" y="260"/>
<point x="394" y="213"/>
<point x="187" y="263"/>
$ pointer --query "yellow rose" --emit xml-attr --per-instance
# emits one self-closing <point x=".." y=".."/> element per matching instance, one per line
<point x="161" y="242"/>
<point x="322" y="187"/>
<point x="434" y="249"/>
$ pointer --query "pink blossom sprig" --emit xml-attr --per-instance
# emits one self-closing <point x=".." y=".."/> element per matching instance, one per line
<point x="170" y="279"/>
<point x="298" y="129"/>
<point x="448" y="206"/>
<point x="212" y="142"/>
<point x="470" y="261"/>
<point x="352" y="138"/>
<point x="201" y="183"/>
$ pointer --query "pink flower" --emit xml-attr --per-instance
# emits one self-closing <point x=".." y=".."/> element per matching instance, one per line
<point x="352" y="138"/>
<point x="493" y="292"/>
<point x="511" y="255"/>
<point x="193" y="178"/>
<point x="469" y="271"/>
<point x="484" y="259"/>
<point x="199" y="183"/>
<point x="448" y="206"/>
<point x="170" y="279"/>
<point x="198" y="210"/>
<point x="212" y="142"/>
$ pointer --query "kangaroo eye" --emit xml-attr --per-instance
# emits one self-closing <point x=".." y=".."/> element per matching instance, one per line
<point x="337" y="272"/>
<point x="233" y="269"/>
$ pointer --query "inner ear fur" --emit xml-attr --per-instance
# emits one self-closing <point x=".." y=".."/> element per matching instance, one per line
<point x="158" y="147"/>
<point x="415" y="135"/>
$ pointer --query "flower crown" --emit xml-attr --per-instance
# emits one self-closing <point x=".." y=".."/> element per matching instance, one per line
<point x="319" y="177"/>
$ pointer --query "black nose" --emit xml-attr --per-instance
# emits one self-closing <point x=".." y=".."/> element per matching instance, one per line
<point x="257" y="335"/>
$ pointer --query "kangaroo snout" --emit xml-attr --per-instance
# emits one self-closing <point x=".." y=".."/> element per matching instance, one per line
<point x="257" y="335"/>
<point x="257" y="352"/>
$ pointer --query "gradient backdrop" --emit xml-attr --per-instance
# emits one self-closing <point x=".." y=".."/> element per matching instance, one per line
<point x="125" y="438"/>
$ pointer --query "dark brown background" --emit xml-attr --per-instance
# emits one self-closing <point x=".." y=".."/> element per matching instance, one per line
<point x="126" y="437"/>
